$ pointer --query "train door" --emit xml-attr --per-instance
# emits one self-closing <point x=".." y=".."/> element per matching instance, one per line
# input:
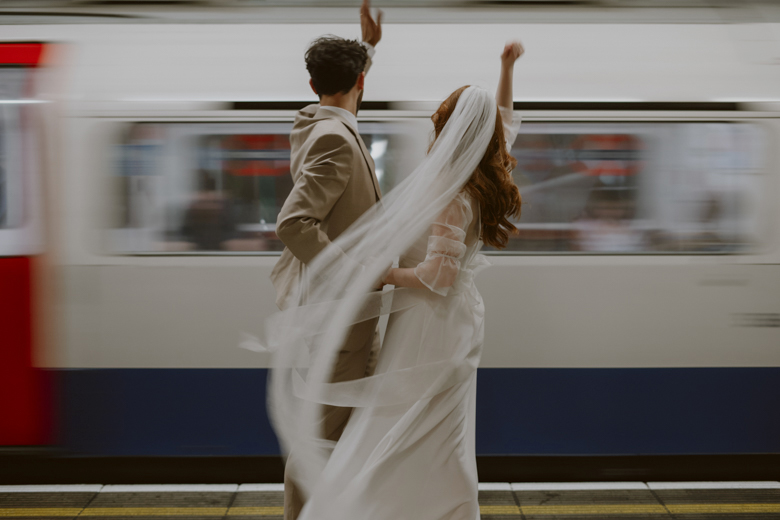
<point x="25" y="413"/>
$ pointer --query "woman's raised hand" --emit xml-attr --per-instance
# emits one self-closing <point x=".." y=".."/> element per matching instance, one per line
<point x="512" y="52"/>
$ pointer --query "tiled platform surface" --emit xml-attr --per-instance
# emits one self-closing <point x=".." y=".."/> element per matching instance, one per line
<point x="498" y="501"/>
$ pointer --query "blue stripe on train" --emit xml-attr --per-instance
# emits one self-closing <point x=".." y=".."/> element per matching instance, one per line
<point x="221" y="412"/>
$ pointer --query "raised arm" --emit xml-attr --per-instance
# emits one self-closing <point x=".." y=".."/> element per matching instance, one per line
<point x="372" y="32"/>
<point x="370" y="29"/>
<point x="504" y="93"/>
<point x="512" y="52"/>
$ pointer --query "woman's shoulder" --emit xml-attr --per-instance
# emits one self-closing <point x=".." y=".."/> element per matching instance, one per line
<point x="465" y="199"/>
<point x="461" y="208"/>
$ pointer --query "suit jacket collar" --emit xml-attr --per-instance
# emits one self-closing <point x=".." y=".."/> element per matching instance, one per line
<point x="345" y="115"/>
<point x="329" y="114"/>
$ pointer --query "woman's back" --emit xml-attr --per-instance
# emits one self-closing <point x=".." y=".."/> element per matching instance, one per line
<point x="461" y="218"/>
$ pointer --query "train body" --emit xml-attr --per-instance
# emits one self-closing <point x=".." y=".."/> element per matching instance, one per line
<point x="636" y="313"/>
<point x="26" y="416"/>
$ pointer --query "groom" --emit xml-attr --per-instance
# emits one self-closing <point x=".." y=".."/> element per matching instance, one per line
<point x="335" y="184"/>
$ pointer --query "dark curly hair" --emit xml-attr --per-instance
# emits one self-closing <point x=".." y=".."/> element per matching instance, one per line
<point x="334" y="64"/>
<point x="491" y="184"/>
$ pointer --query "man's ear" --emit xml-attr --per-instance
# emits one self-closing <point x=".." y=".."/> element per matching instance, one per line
<point x="311" y="84"/>
<point x="361" y="79"/>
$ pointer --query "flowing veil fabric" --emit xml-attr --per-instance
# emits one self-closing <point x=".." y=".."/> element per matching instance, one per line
<point x="337" y="291"/>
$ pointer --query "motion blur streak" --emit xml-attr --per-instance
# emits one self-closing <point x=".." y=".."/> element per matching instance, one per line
<point x="22" y="418"/>
<point x="25" y="410"/>
<point x="636" y="312"/>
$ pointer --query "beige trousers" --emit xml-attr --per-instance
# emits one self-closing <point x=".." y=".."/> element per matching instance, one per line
<point x="357" y="359"/>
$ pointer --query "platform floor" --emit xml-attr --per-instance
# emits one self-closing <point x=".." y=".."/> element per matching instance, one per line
<point x="498" y="501"/>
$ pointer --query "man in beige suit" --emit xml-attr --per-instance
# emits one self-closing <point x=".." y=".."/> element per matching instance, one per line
<point x="335" y="184"/>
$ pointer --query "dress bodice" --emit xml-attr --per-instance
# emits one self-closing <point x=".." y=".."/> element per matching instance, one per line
<point x="444" y="257"/>
<point x="448" y="253"/>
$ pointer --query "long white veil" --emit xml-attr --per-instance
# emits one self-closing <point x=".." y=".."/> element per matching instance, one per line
<point x="338" y="289"/>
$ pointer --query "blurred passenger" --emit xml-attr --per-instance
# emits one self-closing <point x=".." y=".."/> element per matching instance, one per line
<point x="208" y="221"/>
<point x="608" y="224"/>
<point x="708" y="234"/>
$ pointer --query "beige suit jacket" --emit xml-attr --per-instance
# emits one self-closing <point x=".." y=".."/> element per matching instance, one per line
<point x="335" y="184"/>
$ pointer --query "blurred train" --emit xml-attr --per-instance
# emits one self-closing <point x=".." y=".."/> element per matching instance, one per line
<point x="637" y="312"/>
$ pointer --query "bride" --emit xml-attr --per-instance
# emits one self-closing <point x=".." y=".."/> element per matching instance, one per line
<point x="408" y="450"/>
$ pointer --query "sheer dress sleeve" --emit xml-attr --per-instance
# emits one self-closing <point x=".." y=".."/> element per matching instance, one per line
<point x="446" y="247"/>
<point x="511" y="123"/>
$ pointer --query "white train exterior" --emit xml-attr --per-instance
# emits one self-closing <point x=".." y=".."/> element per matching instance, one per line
<point x="589" y="350"/>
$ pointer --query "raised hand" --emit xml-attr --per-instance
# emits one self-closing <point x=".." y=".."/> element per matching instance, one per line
<point x="512" y="52"/>
<point x="371" y="30"/>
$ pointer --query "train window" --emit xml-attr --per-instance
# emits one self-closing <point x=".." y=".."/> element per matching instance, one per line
<point x="213" y="187"/>
<point x="671" y="187"/>
<point x="597" y="187"/>
<point x="12" y="85"/>
<point x="3" y="180"/>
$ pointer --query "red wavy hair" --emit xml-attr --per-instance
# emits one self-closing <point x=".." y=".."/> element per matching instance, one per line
<point x="491" y="184"/>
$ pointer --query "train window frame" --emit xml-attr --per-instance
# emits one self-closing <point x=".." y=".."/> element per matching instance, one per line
<point x="406" y="115"/>
<point x="653" y="116"/>
<point x="14" y="150"/>
<point x="4" y="175"/>
<point x="265" y="117"/>
<point x="22" y="114"/>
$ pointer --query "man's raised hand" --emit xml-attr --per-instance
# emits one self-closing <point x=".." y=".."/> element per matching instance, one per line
<point x="372" y="30"/>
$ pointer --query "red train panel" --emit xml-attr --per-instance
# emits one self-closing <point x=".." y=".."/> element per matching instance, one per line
<point x="25" y="404"/>
<point x="24" y="414"/>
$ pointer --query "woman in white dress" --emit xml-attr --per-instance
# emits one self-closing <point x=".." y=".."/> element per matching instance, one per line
<point x="408" y="450"/>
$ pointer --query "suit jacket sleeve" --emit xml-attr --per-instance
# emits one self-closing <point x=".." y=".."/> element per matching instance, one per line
<point x="370" y="51"/>
<point x="368" y="65"/>
<point x="326" y="171"/>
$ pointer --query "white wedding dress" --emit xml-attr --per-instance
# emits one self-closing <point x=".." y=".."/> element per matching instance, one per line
<point x="416" y="460"/>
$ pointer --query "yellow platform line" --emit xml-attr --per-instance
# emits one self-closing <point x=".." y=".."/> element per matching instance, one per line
<point x="499" y="510"/>
<point x="573" y="509"/>
<point x="39" y="511"/>
<point x="139" y="511"/>
<point x="595" y="509"/>
<point x="258" y="511"/>
<point x="154" y="511"/>
<point x="699" y="509"/>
